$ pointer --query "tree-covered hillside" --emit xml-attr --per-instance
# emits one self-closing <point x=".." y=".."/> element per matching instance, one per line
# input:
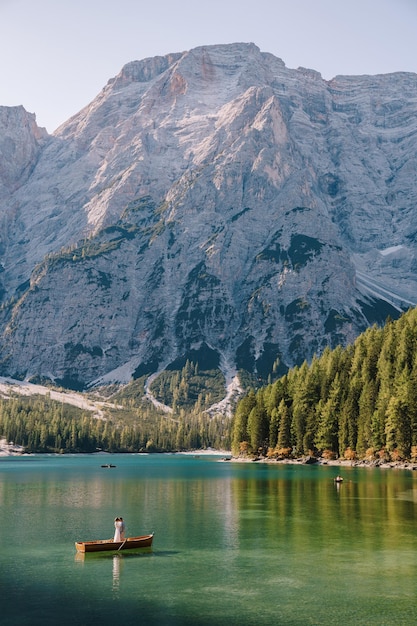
<point x="354" y="402"/>
<point x="357" y="402"/>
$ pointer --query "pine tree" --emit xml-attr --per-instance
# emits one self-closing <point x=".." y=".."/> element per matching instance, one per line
<point x="398" y="426"/>
<point x="258" y="426"/>
<point x="240" y="421"/>
<point x="284" y="435"/>
<point x="367" y="405"/>
<point x="328" y="426"/>
<point x="300" y="407"/>
<point x="348" y="424"/>
<point x="273" y="428"/>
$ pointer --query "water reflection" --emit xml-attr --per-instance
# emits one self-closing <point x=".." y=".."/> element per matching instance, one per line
<point x="230" y="539"/>
<point x="117" y="568"/>
<point x="117" y="565"/>
<point x="302" y="511"/>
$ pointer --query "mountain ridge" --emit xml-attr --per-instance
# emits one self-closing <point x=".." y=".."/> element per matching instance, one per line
<point x="209" y="202"/>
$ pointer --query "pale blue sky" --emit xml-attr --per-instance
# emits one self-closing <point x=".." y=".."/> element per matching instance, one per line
<point x="56" y="55"/>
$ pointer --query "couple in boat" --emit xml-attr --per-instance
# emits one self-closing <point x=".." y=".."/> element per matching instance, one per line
<point x="119" y="529"/>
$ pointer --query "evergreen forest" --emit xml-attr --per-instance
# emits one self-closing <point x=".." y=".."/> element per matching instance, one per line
<point x="358" y="402"/>
<point x="40" y="424"/>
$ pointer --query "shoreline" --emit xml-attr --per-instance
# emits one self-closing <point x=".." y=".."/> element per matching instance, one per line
<point x="405" y="465"/>
<point x="10" y="449"/>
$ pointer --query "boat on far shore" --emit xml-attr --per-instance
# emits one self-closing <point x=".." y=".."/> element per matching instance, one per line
<point x="143" y="541"/>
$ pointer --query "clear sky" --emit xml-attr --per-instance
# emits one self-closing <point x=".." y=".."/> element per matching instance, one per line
<point x="56" y="55"/>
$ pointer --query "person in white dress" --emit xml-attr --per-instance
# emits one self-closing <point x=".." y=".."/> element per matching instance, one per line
<point x="118" y="526"/>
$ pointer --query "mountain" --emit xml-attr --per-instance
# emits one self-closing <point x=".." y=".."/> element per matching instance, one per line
<point x="211" y="205"/>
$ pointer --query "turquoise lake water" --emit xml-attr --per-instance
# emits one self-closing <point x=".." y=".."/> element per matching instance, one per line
<point x="238" y="544"/>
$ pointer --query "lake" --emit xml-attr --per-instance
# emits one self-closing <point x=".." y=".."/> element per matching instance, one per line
<point x="235" y="543"/>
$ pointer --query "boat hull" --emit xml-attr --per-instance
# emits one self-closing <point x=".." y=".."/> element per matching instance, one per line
<point x="144" y="541"/>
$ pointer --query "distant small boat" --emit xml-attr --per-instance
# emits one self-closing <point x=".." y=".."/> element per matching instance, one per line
<point x="338" y="479"/>
<point x="144" y="541"/>
<point x="108" y="465"/>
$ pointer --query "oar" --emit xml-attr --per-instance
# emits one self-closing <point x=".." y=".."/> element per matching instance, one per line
<point x="121" y="545"/>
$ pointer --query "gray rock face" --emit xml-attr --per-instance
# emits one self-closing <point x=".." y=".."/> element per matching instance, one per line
<point x="21" y="141"/>
<point x="211" y="204"/>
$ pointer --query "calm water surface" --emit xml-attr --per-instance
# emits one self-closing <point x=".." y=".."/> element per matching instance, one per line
<point x="235" y="544"/>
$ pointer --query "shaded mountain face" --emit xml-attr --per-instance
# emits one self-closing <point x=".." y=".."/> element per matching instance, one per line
<point x="212" y="205"/>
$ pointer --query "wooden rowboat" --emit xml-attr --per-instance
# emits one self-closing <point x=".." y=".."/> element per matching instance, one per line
<point x="144" y="541"/>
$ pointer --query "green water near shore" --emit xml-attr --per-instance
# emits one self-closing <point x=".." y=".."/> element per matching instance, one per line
<point x="234" y="543"/>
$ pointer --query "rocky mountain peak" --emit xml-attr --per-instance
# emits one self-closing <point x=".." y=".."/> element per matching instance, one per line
<point x="21" y="141"/>
<point x="210" y="204"/>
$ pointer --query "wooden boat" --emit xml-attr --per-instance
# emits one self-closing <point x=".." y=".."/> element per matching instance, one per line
<point x="144" y="541"/>
<point x="338" y="479"/>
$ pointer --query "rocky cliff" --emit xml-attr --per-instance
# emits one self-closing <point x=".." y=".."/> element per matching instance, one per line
<point x="212" y="205"/>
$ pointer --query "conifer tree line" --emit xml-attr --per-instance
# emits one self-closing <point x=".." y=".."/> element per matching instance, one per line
<point x="40" y="424"/>
<point x="355" y="402"/>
